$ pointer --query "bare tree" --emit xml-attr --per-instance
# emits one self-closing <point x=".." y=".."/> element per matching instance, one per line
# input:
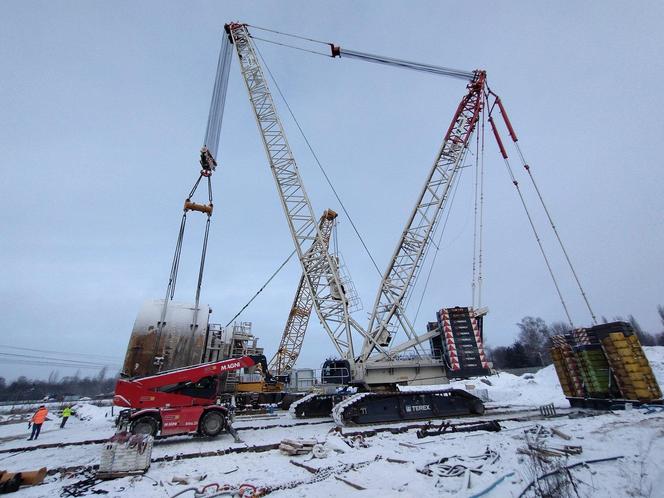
<point x="534" y="336"/>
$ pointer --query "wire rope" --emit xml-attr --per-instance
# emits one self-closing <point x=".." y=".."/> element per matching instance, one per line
<point x="555" y="231"/>
<point x="480" y="277"/>
<point x="291" y="35"/>
<point x="274" y="274"/>
<point x="289" y="46"/>
<point x="475" y="216"/>
<point x="537" y="238"/>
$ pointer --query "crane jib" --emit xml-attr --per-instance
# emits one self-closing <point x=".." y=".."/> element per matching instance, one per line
<point x="402" y="271"/>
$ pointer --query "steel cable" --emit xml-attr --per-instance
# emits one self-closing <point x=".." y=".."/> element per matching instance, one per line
<point x="555" y="231"/>
<point x="261" y="289"/>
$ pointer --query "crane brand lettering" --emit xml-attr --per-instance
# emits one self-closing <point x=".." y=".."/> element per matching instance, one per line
<point x="417" y="408"/>
<point x="235" y="364"/>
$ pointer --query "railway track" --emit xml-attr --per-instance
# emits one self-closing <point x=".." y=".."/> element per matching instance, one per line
<point x="158" y="438"/>
<point x="387" y="427"/>
<point x="526" y="416"/>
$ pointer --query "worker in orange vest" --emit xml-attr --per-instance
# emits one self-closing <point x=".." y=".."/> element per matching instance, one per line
<point x="37" y="420"/>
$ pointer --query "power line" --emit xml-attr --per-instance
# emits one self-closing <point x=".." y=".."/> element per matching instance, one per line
<point x="64" y="360"/>
<point x="38" y="363"/>
<point x="68" y="353"/>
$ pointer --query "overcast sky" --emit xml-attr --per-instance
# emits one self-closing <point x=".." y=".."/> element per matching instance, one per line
<point x="103" y="107"/>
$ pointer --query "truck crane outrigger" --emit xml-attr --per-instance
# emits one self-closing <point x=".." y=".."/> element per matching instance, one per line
<point x="377" y="370"/>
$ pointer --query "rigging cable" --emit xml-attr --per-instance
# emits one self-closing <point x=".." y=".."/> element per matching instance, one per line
<point x="288" y="34"/>
<point x="218" y="101"/>
<point x="208" y="163"/>
<point x="530" y="219"/>
<point x="253" y="37"/>
<point x="320" y="166"/>
<point x="261" y="289"/>
<point x="514" y="138"/>
<point x="476" y="195"/>
<point x="416" y="66"/>
<point x="337" y="51"/>
<point x="480" y="277"/>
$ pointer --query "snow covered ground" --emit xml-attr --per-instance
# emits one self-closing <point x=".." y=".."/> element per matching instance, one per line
<point x="387" y="464"/>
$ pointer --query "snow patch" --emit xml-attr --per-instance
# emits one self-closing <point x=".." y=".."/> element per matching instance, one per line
<point x="91" y="413"/>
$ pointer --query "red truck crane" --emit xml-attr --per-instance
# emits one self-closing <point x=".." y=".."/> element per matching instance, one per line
<point x="181" y="401"/>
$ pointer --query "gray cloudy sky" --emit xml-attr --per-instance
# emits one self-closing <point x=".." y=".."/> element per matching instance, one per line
<point x="103" y="107"/>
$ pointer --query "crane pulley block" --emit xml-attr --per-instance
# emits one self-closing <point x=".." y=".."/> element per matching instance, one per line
<point x="208" y="162"/>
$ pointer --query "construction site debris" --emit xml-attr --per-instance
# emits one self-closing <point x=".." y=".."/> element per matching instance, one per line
<point x="125" y="454"/>
<point x="12" y="481"/>
<point x="492" y="486"/>
<point x="548" y="410"/>
<point x="297" y="447"/>
<point x="351" y="484"/>
<point x="564" y="469"/>
<point x="459" y="466"/>
<point x="84" y="486"/>
<point x="447" y="427"/>
<point x="215" y="489"/>
<point x="321" y="473"/>
<point x="560" y="434"/>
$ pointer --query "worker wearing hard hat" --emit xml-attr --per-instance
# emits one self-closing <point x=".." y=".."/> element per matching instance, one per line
<point x="66" y="413"/>
<point x="37" y="420"/>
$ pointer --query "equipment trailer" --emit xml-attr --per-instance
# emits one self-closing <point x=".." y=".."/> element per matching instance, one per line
<point x="181" y="401"/>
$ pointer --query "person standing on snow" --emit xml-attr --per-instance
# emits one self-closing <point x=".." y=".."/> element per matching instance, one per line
<point x="66" y="413"/>
<point x="37" y="420"/>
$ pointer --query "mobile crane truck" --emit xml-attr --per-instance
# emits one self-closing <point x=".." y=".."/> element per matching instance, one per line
<point x="181" y="401"/>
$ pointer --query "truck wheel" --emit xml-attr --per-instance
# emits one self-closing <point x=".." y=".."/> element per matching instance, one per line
<point x="212" y="423"/>
<point x="144" y="425"/>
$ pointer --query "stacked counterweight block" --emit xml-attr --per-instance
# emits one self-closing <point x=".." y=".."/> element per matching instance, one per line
<point x="605" y="362"/>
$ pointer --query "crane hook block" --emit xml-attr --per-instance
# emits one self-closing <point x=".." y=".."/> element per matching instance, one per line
<point x="202" y="208"/>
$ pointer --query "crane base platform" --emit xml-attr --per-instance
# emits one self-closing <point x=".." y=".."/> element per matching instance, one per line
<point x="377" y="408"/>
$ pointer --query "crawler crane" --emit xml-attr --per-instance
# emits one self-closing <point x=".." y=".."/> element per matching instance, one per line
<point x="377" y="369"/>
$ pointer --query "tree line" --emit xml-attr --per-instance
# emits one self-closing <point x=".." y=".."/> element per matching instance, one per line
<point x="531" y="347"/>
<point x="71" y="387"/>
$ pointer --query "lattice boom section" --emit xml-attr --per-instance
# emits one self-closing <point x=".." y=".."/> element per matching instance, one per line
<point x="401" y="275"/>
<point x="318" y="267"/>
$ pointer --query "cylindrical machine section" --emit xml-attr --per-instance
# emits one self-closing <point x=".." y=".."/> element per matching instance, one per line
<point x="178" y="345"/>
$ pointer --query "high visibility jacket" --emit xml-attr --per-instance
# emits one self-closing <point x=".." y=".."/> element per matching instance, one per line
<point x="39" y="416"/>
<point x="66" y="412"/>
